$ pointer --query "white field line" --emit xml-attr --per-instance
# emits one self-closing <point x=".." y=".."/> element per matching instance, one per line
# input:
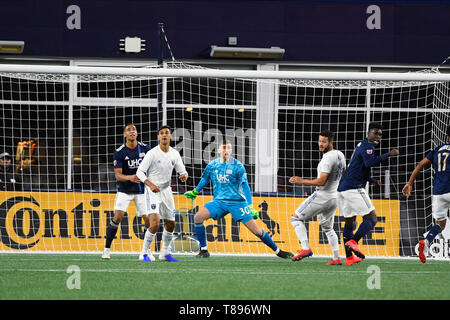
<point x="216" y="271"/>
<point x="264" y="259"/>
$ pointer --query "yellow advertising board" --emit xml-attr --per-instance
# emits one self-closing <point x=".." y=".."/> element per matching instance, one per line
<point x="63" y="221"/>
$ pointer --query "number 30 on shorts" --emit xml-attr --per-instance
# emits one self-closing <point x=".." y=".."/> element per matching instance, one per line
<point x="244" y="211"/>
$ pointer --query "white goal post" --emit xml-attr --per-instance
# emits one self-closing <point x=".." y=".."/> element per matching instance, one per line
<point x="184" y="71"/>
<point x="61" y="124"/>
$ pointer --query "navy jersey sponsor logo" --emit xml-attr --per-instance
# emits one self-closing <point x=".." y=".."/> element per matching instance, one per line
<point x="134" y="163"/>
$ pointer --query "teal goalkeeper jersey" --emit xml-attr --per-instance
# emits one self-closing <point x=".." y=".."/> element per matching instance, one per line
<point x="229" y="180"/>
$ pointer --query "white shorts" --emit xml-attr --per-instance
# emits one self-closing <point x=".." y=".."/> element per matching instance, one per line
<point x="161" y="203"/>
<point x="441" y="206"/>
<point x="354" y="202"/>
<point x="320" y="204"/>
<point x="122" y="202"/>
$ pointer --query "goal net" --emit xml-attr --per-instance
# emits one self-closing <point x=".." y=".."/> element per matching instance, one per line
<point x="61" y="126"/>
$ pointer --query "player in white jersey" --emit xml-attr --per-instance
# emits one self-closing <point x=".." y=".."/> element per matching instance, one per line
<point x="155" y="171"/>
<point x="322" y="203"/>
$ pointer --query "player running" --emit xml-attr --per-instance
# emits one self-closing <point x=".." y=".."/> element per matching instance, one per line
<point x="232" y="194"/>
<point x="440" y="159"/>
<point x="353" y="199"/>
<point x="155" y="171"/>
<point x="126" y="161"/>
<point x="322" y="203"/>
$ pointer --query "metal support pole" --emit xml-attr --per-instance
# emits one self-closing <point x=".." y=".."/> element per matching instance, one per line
<point x="160" y="64"/>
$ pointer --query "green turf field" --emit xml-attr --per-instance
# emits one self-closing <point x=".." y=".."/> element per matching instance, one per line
<point x="45" y="276"/>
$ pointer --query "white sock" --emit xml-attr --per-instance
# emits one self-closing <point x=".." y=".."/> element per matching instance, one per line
<point x="166" y="239"/>
<point x="148" y="239"/>
<point x="333" y="241"/>
<point x="302" y="234"/>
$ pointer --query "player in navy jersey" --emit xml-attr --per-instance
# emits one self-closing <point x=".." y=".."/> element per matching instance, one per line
<point x="126" y="162"/>
<point x="439" y="158"/>
<point x="232" y="194"/>
<point x="353" y="199"/>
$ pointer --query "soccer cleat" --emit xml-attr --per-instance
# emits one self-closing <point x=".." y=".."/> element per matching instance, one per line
<point x="352" y="260"/>
<point x="336" y="262"/>
<point x="203" y="254"/>
<point x="302" y="254"/>
<point x="106" y="254"/>
<point x="422" y="251"/>
<point x="146" y="257"/>
<point x="352" y="245"/>
<point x="285" y="254"/>
<point x="168" y="257"/>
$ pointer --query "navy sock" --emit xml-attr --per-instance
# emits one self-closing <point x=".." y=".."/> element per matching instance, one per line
<point x="347" y="235"/>
<point x="364" y="228"/>
<point x="434" y="231"/>
<point x="200" y="232"/>
<point x="268" y="241"/>
<point x="111" y="231"/>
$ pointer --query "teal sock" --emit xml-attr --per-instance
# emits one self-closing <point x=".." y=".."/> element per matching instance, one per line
<point x="268" y="241"/>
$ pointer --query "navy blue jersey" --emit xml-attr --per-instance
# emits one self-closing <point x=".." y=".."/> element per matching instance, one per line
<point x="129" y="160"/>
<point x="357" y="173"/>
<point x="440" y="157"/>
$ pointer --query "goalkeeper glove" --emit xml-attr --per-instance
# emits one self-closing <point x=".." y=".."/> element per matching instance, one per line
<point x="191" y="194"/>
<point x="253" y="211"/>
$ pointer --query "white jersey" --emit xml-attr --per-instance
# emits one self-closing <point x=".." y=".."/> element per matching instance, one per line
<point x="157" y="166"/>
<point x="333" y="163"/>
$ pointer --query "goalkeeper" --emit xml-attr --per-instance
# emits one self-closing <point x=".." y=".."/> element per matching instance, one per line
<point x="231" y="195"/>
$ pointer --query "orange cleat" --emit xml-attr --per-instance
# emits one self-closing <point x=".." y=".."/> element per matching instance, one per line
<point x="336" y="262"/>
<point x="422" y="256"/>
<point x="302" y="254"/>
<point x="352" y="245"/>
<point x="352" y="260"/>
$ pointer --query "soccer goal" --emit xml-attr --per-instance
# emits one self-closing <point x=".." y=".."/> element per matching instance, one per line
<point x="62" y="125"/>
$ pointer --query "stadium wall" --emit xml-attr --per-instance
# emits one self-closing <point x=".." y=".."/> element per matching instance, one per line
<point x="362" y="31"/>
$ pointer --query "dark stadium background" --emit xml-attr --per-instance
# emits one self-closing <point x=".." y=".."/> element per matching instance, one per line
<point x="327" y="32"/>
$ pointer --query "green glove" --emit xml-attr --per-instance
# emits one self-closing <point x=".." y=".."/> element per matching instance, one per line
<point x="253" y="211"/>
<point x="191" y="194"/>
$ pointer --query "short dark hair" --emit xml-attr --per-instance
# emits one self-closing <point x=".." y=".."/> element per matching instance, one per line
<point x="128" y="124"/>
<point x="375" y="125"/>
<point x="224" y="142"/>
<point x="165" y="127"/>
<point x="327" y="133"/>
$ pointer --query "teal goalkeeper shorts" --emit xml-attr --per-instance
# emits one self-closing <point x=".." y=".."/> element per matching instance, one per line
<point x="239" y="210"/>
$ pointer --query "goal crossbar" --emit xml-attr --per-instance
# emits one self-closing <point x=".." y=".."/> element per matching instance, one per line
<point x="220" y="73"/>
